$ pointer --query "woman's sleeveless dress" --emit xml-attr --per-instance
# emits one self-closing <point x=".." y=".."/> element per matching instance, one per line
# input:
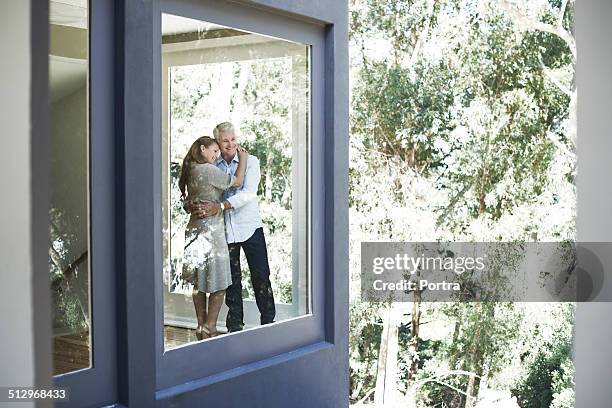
<point x="206" y="257"/>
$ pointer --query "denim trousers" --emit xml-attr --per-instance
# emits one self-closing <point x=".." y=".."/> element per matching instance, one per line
<point x="256" y="253"/>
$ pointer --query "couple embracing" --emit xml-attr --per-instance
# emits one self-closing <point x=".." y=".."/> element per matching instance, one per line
<point x="218" y="185"/>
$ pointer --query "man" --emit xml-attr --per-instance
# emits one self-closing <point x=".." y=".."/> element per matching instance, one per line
<point x="243" y="229"/>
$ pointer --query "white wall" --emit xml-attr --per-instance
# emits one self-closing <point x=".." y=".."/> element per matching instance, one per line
<point x="593" y="358"/>
<point x="69" y="168"/>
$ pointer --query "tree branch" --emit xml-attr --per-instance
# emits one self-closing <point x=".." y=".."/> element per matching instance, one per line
<point x="563" y="9"/>
<point x="366" y="396"/>
<point x="529" y="24"/>
<point x="548" y="73"/>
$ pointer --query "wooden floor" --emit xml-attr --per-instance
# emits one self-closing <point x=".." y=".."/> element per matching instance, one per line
<point x="71" y="351"/>
<point x="178" y="336"/>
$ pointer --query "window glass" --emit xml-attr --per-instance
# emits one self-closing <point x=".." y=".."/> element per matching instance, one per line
<point x="224" y="90"/>
<point x="69" y="212"/>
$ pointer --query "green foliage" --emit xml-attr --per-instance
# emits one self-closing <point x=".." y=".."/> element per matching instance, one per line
<point x="476" y="117"/>
<point x="433" y="393"/>
<point x="271" y="146"/>
<point x="68" y="311"/>
<point x="548" y="379"/>
<point x="428" y="350"/>
<point x="364" y="343"/>
<point x="404" y="114"/>
<point x="549" y="374"/>
<point x="483" y="333"/>
<point x="258" y="103"/>
<point x="463" y="129"/>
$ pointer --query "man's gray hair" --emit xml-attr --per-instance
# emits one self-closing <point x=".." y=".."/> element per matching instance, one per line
<point x="222" y="127"/>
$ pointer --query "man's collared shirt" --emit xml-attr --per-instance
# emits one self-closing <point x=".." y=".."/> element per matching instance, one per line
<point x="243" y="218"/>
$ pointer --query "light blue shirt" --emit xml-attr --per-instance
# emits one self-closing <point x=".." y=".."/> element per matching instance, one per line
<point x="243" y="218"/>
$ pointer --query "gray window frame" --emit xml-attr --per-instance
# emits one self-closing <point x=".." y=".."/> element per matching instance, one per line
<point x="176" y="366"/>
<point x="102" y="169"/>
<point x="151" y="373"/>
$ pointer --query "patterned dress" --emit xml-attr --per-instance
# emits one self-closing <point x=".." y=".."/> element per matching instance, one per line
<point x="206" y="258"/>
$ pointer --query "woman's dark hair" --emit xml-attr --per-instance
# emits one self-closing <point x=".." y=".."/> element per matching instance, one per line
<point x="193" y="155"/>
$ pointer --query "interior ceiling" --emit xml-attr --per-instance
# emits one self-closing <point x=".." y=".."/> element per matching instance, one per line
<point x="177" y="25"/>
<point x="72" y="13"/>
<point x="66" y="75"/>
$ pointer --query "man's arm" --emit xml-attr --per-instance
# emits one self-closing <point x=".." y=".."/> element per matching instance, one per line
<point x="249" y="186"/>
<point x="199" y="209"/>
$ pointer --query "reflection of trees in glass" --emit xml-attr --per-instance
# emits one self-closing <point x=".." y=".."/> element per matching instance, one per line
<point x="462" y="129"/>
<point x="255" y="95"/>
<point x="67" y="271"/>
<point x="179" y="219"/>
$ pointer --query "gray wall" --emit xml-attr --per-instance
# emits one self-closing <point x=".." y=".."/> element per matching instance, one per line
<point x="25" y="346"/>
<point x="16" y="340"/>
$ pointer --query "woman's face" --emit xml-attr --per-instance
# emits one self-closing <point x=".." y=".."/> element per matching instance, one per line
<point x="210" y="153"/>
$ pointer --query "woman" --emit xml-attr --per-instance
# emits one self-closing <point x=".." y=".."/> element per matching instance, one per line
<point x="206" y="259"/>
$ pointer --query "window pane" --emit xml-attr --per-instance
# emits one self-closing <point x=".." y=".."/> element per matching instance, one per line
<point x="69" y="212"/>
<point x="257" y="87"/>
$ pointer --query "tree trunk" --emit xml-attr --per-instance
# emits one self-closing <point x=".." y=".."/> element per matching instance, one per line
<point x="414" y="340"/>
<point x="410" y="397"/>
<point x="453" y="357"/>
<point x="470" y="399"/>
<point x="484" y="379"/>
<point x="386" y="392"/>
<point x="379" y="394"/>
<point x="268" y="190"/>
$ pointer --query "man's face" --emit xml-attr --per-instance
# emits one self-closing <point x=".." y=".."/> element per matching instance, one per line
<point x="228" y="142"/>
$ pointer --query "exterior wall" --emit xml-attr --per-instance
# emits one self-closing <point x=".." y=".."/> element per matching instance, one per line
<point x="25" y="352"/>
<point x="593" y="330"/>
<point x="299" y="363"/>
<point x="16" y="348"/>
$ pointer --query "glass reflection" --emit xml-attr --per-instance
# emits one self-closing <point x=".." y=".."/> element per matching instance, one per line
<point x="235" y="249"/>
<point x="69" y="212"/>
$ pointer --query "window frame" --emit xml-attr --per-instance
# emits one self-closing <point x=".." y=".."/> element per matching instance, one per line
<point x="96" y="384"/>
<point x="124" y="41"/>
<point x="175" y="366"/>
<point x="172" y="372"/>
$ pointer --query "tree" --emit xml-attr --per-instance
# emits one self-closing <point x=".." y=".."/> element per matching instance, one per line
<point x="462" y="129"/>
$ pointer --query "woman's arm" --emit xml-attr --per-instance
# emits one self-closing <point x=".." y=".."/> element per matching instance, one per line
<point x="241" y="170"/>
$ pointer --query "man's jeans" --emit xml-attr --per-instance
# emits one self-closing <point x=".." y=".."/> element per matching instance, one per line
<point x="256" y="254"/>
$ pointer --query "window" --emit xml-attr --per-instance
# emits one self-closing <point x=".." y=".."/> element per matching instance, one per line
<point x="211" y="75"/>
<point x="132" y="139"/>
<point x="69" y="212"/>
<point x="82" y="203"/>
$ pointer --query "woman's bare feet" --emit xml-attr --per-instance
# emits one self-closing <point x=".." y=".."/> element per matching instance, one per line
<point x="208" y="333"/>
<point x="199" y="334"/>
